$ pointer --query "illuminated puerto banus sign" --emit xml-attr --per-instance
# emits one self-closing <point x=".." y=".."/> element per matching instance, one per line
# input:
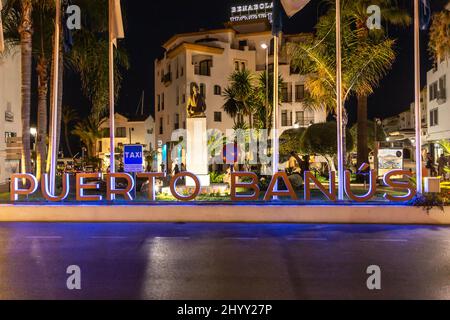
<point x="239" y="181"/>
<point x="246" y="12"/>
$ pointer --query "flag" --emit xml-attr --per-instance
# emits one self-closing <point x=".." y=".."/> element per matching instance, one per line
<point x="116" y="31"/>
<point x="291" y="7"/>
<point x="425" y="14"/>
<point x="67" y="33"/>
<point x="2" y="41"/>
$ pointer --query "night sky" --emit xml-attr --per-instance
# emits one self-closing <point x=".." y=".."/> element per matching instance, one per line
<point x="151" y="23"/>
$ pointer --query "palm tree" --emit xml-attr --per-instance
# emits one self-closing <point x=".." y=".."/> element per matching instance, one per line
<point x="89" y="58"/>
<point x="26" y="32"/>
<point x="439" y="45"/>
<point x="69" y="115"/>
<point x="365" y="61"/>
<point x="232" y="106"/>
<point x="263" y="104"/>
<point x="89" y="55"/>
<point x="357" y="13"/>
<point x="43" y="16"/>
<point x="88" y="130"/>
<point x="241" y="85"/>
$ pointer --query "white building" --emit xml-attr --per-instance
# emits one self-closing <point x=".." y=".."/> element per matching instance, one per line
<point x="401" y="132"/>
<point x="208" y="58"/>
<point x="405" y="121"/>
<point x="438" y="81"/>
<point x="133" y="130"/>
<point x="10" y="113"/>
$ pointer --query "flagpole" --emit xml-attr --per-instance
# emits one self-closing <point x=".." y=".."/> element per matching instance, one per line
<point x="339" y="107"/>
<point x="418" y="111"/>
<point x="275" y="148"/>
<point x="54" y="106"/>
<point x="112" y="167"/>
<point x="2" y="40"/>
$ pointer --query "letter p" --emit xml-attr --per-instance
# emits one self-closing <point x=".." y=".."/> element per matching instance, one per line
<point x="16" y="191"/>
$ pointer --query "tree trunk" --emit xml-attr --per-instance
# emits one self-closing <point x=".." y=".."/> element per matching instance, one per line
<point x="42" y="123"/>
<point x="59" y="107"/>
<point x="362" y="140"/>
<point x="26" y="32"/>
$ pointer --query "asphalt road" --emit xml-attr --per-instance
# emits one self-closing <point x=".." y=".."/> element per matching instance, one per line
<point x="223" y="261"/>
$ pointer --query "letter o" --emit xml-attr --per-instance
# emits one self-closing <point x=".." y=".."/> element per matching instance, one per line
<point x="173" y="183"/>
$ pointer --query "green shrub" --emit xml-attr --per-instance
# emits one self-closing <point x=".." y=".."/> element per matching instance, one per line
<point x="216" y="177"/>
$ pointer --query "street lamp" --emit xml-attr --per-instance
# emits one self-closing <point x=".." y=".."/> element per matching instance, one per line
<point x="264" y="46"/>
<point x="375" y="154"/>
<point x="33" y="132"/>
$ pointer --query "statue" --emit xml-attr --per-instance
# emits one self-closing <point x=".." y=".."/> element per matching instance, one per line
<point x="196" y="105"/>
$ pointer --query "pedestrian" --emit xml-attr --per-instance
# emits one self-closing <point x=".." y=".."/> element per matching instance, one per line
<point x="305" y="165"/>
<point x="442" y="163"/>
<point x="430" y="166"/>
<point x="176" y="169"/>
<point x="294" y="164"/>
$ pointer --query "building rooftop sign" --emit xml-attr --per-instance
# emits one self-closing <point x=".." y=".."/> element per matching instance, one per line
<point x="247" y="12"/>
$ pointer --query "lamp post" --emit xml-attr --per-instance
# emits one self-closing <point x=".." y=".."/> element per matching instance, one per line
<point x="33" y="132"/>
<point x="339" y="109"/>
<point x="375" y="153"/>
<point x="265" y="47"/>
<point x="418" y="115"/>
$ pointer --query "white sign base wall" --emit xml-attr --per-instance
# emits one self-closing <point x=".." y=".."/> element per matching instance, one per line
<point x="225" y="213"/>
<point x="197" y="151"/>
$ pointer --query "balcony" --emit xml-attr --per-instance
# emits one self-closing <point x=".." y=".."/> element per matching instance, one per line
<point x="305" y="122"/>
<point x="201" y="70"/>
<point x="9" y="116"/>
<point x="202" y="64"/>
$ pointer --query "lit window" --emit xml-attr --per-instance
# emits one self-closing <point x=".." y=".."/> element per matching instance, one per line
<point x="121" y="132"/>
<point x="434" y="117"/>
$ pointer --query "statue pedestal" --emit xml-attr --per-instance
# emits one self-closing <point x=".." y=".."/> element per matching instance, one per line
<point x="197" y="151"/>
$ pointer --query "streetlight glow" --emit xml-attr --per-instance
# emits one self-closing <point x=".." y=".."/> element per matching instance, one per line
<point x="264" y="46"/>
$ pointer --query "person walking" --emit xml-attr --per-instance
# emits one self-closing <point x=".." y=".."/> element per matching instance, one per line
<point x="430" y="166"/>
<point x="176" y="170"/>
<point x="442" y="163"/>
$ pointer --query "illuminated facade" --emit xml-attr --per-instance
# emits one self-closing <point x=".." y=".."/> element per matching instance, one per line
<point x="438" y="81"/>
<point x="129" y="130"/>
<point x="10" y="113"/>
<point x="209" y="58"/>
